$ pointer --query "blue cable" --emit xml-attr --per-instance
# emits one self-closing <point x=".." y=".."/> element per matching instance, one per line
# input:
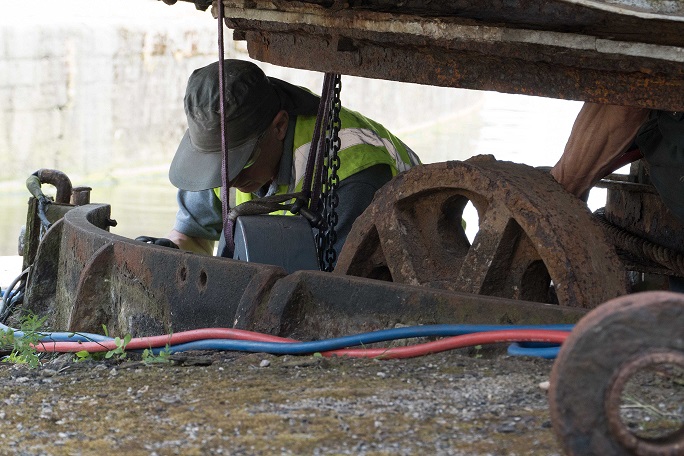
<point x="305" y="348"/>
<point x="519" y="349"/>
<point x="302" y="348"/>
<point x="60" y="336"/>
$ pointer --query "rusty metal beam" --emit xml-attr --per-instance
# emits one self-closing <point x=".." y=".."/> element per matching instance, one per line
<point x="313" y="305"/>
<point x="644" y="21"/>
<point x="462" y="52"/>
<point x="85" y="276"/>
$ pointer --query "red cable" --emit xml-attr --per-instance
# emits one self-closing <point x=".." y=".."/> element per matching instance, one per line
<point x="140" y="343"/>
<point x="450" y="343"/>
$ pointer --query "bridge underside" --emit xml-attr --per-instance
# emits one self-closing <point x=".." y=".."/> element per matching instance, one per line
<point x="625" y="52"/>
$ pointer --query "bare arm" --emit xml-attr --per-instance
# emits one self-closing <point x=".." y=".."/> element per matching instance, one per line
<point x="601" y="134"/>
<point x="191" y="244"/>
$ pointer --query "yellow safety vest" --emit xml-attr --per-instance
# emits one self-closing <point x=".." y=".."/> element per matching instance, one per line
<point x="363" y="143"/>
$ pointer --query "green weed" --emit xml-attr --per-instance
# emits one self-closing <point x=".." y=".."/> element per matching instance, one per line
<point x="23" y="349"/>
<point x="164" y="356"/>
<point x="117" y="353"/>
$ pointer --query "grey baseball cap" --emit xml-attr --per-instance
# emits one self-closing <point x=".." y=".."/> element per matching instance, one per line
<point x="251" y="104"/>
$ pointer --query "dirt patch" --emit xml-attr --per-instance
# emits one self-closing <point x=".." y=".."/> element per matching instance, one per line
<point x="224" y="403"/>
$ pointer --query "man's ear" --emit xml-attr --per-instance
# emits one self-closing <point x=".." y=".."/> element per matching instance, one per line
<point x="280" y="123"/>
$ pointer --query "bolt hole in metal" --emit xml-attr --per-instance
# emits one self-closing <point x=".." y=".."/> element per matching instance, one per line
<point x="645" y="406"/>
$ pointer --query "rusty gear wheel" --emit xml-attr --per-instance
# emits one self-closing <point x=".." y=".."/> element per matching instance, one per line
<point x="607" y="348"/>
<point x="531" y="233"/>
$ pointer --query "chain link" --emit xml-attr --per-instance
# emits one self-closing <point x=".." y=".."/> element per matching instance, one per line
<point x="329" y="238"/>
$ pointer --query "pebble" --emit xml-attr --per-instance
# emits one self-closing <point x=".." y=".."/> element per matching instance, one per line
<point x="545" y="385"/>
<point x="48" y="372"/>
<point x="506" y="428"/>
<point x="499" y="404"/>
<point x="142" y="390"/>
<point x="174" y="399"/>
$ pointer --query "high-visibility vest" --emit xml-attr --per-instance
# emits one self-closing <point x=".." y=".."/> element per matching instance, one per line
<point x="363" y="143"/>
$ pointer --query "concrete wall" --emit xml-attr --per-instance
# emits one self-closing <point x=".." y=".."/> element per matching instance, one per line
<point x="94" y="92"/>
<point x="90" y="90"/>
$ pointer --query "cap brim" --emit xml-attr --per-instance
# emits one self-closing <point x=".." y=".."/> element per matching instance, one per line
<point x="195" y="170"/>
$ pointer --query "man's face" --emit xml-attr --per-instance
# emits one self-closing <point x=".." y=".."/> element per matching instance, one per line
<point x="262" y="170"/>
<point x="266" y="158"/>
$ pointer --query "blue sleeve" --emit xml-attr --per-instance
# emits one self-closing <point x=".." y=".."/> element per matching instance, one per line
<point x="199" y="214"/>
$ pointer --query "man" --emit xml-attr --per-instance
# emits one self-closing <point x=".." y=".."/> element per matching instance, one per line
<point x="602" y="134"/>
<point x="269" y="127"/>
<point x="600" y="139"/>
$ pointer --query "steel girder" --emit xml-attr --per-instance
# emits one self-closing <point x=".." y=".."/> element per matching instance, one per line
<point x="625" y="52"/>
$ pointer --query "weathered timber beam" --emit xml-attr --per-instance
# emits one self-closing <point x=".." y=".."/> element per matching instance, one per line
<point x="457" y="53"/>
<point x="644" y="21"/>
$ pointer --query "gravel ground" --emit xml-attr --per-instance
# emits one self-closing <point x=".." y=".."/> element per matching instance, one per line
<point x="454" y="403"/>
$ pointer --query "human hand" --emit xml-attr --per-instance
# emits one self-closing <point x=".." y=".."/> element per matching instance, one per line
<point x="157" y="241"/>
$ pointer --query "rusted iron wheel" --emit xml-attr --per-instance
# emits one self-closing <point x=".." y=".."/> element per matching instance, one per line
<point x="531" y="233"/>
<point x="607" y="348"/>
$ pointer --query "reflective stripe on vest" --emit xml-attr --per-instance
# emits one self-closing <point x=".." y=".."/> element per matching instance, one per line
<point x="350" y="137"/>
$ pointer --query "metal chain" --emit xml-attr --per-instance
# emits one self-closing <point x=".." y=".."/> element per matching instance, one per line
<point x="329" y="238"/>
